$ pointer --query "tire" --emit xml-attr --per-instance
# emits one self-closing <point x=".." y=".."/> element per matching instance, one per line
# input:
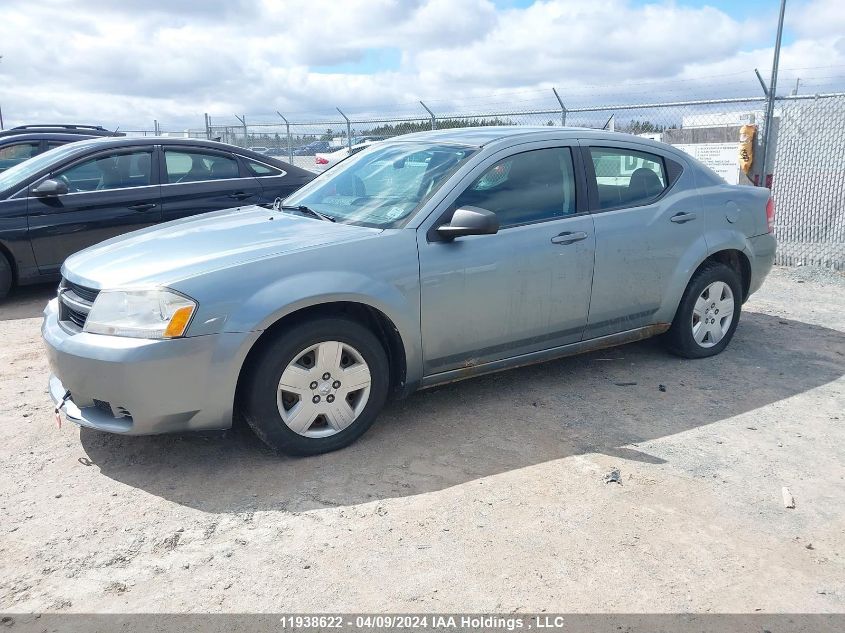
<point x="6" y="277"/>
<point x="279" y="414"/>
<point x="704" y="323"/>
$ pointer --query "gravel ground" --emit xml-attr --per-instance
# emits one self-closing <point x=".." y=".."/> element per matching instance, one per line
<point x="487" y="495"/>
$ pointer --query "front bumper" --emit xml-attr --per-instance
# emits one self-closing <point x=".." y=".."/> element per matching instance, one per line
<point x="140" y="386"/>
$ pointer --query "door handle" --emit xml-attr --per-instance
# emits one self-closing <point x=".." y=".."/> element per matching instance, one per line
<point x="568" y="237"/>
<point x="241" y="195"/>
<point x="143" y="207"/>
<point x="683" y="216"/>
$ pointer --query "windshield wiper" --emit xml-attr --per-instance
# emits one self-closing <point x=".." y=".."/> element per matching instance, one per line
<point x="308" y="211"/>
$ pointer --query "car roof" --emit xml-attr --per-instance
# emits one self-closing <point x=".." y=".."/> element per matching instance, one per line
<point x="117" y="142"/>
<point x="481" y="136"/>
<point x="66" y="128"/>
<point x="45" y="136"/>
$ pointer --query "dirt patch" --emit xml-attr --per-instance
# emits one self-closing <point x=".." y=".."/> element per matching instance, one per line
<point x="486" y="495"/>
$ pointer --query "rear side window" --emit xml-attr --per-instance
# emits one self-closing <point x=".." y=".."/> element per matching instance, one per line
<point x="523" y="188"/>
<point x="260" y="169"/>
<point x="198" y="166"/>
<point x="627" y="177"/>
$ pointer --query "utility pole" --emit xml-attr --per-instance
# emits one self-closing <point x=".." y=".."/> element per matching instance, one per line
<point x="770" y="105"/>
<point x="797" y="83"/>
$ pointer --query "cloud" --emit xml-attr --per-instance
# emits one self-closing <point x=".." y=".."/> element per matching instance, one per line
<point x="130" y="63"/>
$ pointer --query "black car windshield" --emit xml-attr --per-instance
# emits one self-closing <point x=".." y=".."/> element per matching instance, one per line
<point x="10" y="178"/>
<point x="382" y="185"/>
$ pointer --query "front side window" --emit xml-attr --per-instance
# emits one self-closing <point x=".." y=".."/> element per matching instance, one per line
<point x="383" y="185"/>
<point x="111" y="171"/>
<point x="11" y="155"/>
<point x="627" y="177"/>
<point x="523" y="188"/>
<point x="183" y="166"/>
<point x="14" y="177"/>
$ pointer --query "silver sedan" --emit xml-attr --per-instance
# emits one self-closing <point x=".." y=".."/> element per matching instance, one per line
<point x="422" y="260"/>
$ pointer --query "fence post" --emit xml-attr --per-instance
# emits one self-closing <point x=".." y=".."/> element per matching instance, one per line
<point x="207" y="128"/>
<point x="770" y="105"/>
<point x="562" y="108"/>
<point x="762" y="83"/>
<point x="242" y="119"/>
<point x="431" y="114"/>
<point x="348" y="130"/>
<point x="290" y="146"/>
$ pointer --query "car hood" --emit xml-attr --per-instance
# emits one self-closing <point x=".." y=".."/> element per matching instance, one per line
<point x="166" y="253"/>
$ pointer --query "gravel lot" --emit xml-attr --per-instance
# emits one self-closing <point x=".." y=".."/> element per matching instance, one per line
<point x="487" y="495"/>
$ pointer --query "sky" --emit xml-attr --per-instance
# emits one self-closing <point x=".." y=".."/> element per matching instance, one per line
<point x="129" y="62"/>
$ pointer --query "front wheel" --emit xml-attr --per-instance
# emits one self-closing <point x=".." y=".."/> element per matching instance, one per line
<point x="708" y="313"/>
<point x="316" y="388"/>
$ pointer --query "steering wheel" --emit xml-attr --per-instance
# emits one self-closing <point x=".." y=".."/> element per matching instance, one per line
<point x="65" y="180"/>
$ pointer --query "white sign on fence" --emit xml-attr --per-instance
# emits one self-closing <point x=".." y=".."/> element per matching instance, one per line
<point x="723" y="158"/>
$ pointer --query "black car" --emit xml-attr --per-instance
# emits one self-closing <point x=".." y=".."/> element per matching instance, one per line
<point x="73" y="196"/>
<point x="17" y="148"/>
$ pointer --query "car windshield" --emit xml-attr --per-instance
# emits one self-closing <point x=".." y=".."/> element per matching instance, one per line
<point x="382" y="185"/>
<point x="10" y="178"/>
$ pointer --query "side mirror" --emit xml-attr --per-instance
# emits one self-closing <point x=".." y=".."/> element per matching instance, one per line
<point x="50" y="188"/>
<point x="469" y="221"/>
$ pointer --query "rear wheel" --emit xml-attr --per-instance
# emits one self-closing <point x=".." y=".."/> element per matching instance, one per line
<point x="6" y="277"/>
<point x="708" y="314"/>
<point x="317" y="387"/>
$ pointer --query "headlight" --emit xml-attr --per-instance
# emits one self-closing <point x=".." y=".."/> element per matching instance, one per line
<point x="156" y="313"/>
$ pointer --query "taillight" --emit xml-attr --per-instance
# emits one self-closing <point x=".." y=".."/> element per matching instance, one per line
<point x="322" y="161"/>
<point x="770" y="214"/>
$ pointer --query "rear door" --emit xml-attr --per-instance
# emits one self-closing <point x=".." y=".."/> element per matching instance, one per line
<point x="647" y="223"/>
<point x="109" y="193"/>
<point x="198" y="179"/>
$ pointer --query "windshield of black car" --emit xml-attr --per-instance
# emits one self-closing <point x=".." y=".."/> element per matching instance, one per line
<point x="383" y="184"/>
<point x="13" y="176"/>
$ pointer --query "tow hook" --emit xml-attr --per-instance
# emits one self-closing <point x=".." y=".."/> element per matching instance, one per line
<point x="59" y="407"/>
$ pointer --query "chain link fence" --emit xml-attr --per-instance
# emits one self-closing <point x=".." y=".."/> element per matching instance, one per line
<point x="806" y="154"/>
<point x="809" y="183"/>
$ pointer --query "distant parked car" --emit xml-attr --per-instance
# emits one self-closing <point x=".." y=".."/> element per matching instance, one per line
<point x="258" y="150"/>
<point x="60" y="128"/>
<point x="277" y="151"/>
<point x="418" y="262"/>
<point x="76" y="195"/>
<point x="312" y="148"/>
<point x="322" y="161"/>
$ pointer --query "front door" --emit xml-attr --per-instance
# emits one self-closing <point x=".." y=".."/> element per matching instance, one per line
<point x="524" y="289"/>
<point x="108" y="194"/>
